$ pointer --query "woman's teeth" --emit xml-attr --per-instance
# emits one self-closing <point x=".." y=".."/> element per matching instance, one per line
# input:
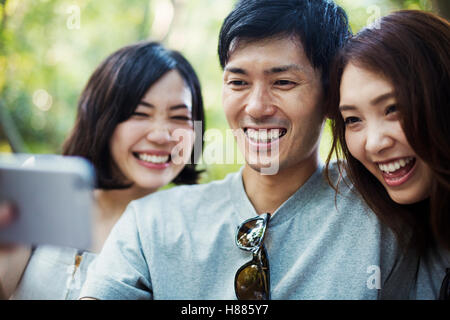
<point x="153" y="158"/>
<point x="395" y="165"/>
<point x="264" y="135"/>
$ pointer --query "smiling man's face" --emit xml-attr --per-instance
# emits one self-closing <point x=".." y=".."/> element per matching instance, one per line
<point x="272" y="97"/>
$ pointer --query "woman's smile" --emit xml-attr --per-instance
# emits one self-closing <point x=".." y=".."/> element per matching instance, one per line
<point x="397" y="172"/>
<point x="153" y="159"/>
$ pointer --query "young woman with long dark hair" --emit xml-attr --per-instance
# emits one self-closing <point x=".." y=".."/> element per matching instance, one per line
<point x="135" y="118"/>
<point x="389" y="106"/>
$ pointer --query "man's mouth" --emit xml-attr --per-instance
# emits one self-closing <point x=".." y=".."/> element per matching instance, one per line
<point x="398" y="171"/>
<point x="264" y="136"/>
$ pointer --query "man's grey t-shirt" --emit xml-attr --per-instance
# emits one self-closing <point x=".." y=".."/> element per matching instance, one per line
<point x="431" y="273"/>
<point x="180" y="244"/>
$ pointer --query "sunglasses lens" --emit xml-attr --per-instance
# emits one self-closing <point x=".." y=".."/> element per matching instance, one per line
<point x="250" y="283"/>
<point x="250" y="234"/>
<point x="252" y="279"/>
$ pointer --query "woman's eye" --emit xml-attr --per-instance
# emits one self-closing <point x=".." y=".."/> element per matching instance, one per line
<point x="140" y="114"/>
<point x="183" y="118"/>
<point x="391" y="109"/>
<point x="351" y="120"/>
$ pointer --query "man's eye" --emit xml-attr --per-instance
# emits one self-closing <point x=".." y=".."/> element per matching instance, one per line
<point x="285" y="84"/>
<point x="237" y="82"/>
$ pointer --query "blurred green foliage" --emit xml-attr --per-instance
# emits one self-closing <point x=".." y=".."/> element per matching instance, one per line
<point x="48" y="49"/>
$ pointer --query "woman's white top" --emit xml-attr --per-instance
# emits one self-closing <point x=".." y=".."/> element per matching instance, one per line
<point x="54" y="273"/>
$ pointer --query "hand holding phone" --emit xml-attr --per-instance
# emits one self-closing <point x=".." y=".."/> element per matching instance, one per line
<point x="54" y="198"/>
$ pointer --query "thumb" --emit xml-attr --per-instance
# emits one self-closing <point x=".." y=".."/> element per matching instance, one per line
<point x="6" y="214"/>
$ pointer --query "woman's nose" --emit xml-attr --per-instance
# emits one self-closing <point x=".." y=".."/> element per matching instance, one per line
<point x="378" y="139"/>
<point x="159" y="135"/>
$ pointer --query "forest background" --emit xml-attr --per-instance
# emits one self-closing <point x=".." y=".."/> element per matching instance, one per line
<point x="49" y="48"/>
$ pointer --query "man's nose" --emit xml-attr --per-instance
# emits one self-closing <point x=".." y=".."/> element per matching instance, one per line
<point x="259" y="104"/>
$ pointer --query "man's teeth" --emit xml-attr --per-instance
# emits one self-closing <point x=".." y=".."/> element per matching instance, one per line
<point x="395" y="165"/>
<point x="264" y="135"/>
<point x="153" y="158"/>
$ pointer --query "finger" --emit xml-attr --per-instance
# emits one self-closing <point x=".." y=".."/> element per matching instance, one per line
<point x="7" y="214"/>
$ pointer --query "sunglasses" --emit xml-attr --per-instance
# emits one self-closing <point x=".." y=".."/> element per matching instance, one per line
<point x="444" y="293"/>
<point x="252" y="281"/>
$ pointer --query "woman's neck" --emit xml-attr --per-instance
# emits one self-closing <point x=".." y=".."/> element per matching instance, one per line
<point x="113" y="202"/>
<point x="110" y="206"/>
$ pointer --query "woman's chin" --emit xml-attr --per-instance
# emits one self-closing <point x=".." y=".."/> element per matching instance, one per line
<point x="407" y="197"/>
<point x="154" y="182"/>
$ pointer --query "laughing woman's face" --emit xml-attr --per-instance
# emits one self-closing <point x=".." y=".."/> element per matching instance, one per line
<point x="152" y="147"/>
<point x="374" y="135"/>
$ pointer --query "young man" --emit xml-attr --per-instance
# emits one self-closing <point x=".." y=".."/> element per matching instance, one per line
<point x="181" y="243"/>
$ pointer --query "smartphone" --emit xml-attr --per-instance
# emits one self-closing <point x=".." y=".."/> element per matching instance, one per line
<point x="54" y="198"/>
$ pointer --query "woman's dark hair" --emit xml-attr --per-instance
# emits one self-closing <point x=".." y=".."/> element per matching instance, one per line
<point x="411" y="49"/>
<point x="321" y="26"/>
<point x="111" y="96"/>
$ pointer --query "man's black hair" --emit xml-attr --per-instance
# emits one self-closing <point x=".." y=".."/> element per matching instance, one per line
<point x="321" y="26"/>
